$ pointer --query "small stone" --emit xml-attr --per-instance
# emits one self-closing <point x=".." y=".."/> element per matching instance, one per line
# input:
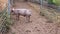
<point x="28" y="31"/>
<point x="38" y="30"/>
<point x="35" y="27"/>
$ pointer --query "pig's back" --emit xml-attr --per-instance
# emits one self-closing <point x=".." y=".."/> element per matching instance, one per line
<point x="23" y="11"/>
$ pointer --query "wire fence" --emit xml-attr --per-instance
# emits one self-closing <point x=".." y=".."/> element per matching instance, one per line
<point x="5" y="21"/>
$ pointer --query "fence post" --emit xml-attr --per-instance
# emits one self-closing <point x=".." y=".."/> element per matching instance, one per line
<point x="9" y="5"/>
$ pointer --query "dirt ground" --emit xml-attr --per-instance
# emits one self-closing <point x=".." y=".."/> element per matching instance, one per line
<point x="39" y="24"/>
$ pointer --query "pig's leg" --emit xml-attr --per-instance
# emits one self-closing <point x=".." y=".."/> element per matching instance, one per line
<point x="28" y="19"/>
<point x="17" y="17"/>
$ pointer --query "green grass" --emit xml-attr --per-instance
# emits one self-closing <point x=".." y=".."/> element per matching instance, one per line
<point x="57" y="2"/>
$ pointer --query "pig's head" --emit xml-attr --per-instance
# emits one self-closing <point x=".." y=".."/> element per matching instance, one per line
<point x="12" y="11"/>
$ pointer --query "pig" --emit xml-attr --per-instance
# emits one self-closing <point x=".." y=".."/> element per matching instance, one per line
<point x="23" y="12"/>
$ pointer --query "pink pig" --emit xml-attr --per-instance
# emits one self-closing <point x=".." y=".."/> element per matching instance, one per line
<point x="24" y="12"/>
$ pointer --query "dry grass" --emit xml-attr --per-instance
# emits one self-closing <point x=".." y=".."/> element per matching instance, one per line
<point x="3" y="4"/>
<point x="51" y="14"/>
